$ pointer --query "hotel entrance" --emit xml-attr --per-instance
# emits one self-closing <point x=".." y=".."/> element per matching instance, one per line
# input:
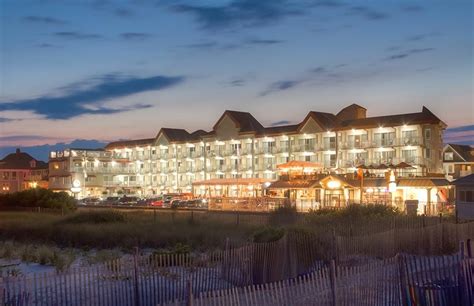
<point x="334" y="198"/>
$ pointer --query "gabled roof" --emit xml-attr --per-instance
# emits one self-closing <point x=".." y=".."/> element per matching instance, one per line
<point x="464" y="151"/>
<point x="21" y="160"/>
<point x="425" y="116"/>
<point x="243" y="120"/>
<point x="326" y="121"/>
<point x="181" y="135"/>
<point x="129" y="143"/>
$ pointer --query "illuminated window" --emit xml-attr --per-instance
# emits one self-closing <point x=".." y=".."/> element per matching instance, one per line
<point x="448" y="156"/>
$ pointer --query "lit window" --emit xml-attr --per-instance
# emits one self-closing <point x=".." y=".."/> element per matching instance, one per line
<point x="448" y="156"/>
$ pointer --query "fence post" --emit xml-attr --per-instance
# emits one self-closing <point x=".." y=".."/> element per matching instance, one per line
<point x="189" y="299"/>
<point x="469" y="248"/>
<point x="334" y="239"/>
<point x="333" y="283"/>
<point x="135" y="268"/>
<point x="401" y="279"/>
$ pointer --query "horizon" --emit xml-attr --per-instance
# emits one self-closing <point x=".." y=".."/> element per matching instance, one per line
<point x="129" y="68"/>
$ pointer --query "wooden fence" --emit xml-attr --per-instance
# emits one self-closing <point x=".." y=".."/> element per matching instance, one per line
<point x="401" y="280"/>
<point x="293" y="268"/>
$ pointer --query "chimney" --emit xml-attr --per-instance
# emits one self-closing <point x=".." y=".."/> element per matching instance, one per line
<point x="18" y="151"/>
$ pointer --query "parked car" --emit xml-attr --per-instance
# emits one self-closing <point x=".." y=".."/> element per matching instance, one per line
<point x="128" y="201"/>
<point x="176" y="203"/>
<point x="167" y="201"/>
<point x="89" y="201"/>
<point x="111" y="201"/>
<point x="157" y="202"/>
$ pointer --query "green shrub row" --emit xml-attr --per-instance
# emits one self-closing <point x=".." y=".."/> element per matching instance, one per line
<point x="38" y="197"/>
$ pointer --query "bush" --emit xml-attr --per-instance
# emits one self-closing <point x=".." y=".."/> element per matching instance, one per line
<point x="95" y="217"/>
<point x="38" y="197"/>
<point x="283" y="215"/>
<point x="267" y="234"/>
<point x="371" y="210"/>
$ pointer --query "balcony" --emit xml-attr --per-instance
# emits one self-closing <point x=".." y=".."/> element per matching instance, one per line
<point x="105" y="170"/>
<point x="409" y="141"/>
<point x="354" y="145"/>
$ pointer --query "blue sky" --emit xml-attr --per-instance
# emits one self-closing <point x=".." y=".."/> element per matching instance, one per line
<point x="108" y="70"/>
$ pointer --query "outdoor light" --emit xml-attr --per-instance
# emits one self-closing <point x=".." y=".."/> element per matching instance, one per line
<point x="369" y="190"/>
<point x="334" y="184"/>
<point x="266" y="184"/>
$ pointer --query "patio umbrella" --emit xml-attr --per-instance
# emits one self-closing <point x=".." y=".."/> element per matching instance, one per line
<point x="381" y="166"/>
<point x="391" y="166"/>
<point x="404" y="165"/>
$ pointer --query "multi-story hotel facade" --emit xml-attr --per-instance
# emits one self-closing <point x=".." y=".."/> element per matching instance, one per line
<point x="238" y="146"/>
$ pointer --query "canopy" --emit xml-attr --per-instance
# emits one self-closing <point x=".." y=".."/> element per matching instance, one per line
<point x="232" y="181"/>
<point x="403" y="165"/>
<point x="297" y="164"/>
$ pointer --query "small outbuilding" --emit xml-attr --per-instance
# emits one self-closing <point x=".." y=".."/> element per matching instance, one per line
<point x="465" y="197"/>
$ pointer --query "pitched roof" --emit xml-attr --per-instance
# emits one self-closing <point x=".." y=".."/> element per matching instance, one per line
<point x="281" y="129"/>
<point x="466" y="180"/>
<point x="21" y="160"/>
<point x="465" y="151"/>
<point x="244" y="121"/>
<point x="326" y="121"/>
<point x="425" y="116"/>
<point x="422" y="182"/>
<point x="129" y="143"/>
<point x="294" y="184"/>
<point x="181" y="135"/>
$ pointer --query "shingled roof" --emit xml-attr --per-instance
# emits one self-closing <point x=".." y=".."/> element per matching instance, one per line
<point x="326" y="121"/>
<point x="425" y="116"/>
<point x="466" y="152"/>
<point x="129" y="143"/>
<point x="21" y="160"/>
<point x="244" y="121"/>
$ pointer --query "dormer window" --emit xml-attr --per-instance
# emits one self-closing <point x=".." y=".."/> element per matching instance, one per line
<point x="32" y="163"/>
<point x="448" y="156"/>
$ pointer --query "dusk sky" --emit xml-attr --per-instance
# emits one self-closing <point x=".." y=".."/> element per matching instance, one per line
<point x="110" y="70"/>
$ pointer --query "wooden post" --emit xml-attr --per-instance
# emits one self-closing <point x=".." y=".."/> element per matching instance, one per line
<point x="135" y="267"/>
<point x="189" y="299"/>
<point x="401" y="275"/>
<point x="333" y="283"/>
<point x="469" y="248"/>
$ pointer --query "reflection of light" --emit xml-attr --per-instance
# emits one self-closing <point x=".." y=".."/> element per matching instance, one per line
<point x="334" y="184"/>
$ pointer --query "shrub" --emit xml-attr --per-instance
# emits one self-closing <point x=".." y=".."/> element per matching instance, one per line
<point x="95" y="217"/>
<point x="283" y="215"/>
<point x="38" y="197"/>
<point x="267" y="234"/>
<point x="371" y="210"/>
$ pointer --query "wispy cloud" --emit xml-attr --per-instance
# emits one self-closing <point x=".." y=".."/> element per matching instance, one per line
<point x="44" y="20"/>
<point x="257" y="41"/>
<point x="76" y="35"/>
<point x="281" y="122"/>
<point x="88" y="97"/>
<point x="46" y="46"/>
<point x="413" y="8"/>
<point x="240" y="13"/>
<point x="423" y="36"/>
<point x="367" y="12"/>
<point x="407" y="53"/>
<point x="320" y="74"/>
<point x="237" y="82"/>
<point x="4" y="120"/>
<point x="124" y="12"/>
<point x="460" y="135"/>
<point x="135" y="36"/>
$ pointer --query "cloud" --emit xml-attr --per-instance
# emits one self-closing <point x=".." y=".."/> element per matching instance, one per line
<point x="4" y="120"/>
<point x="281" y="86"/>
<point x="407" y="53"/>
<point x="135" y="36"/>
<point x="412" y="8"/>
<point x="318" y="75"/>
<point x="124" y="12"/>
<point x="420" y="37"/>
<point x="367" y="13"/>
<point x="328" y="3"/>
<point x="76" y="35"/>
<point x="281" y="122"/>
<point x="87" y="97"/>
<point x="203" y="45"/>
<point x="460" y="135"/>
<point x="237" y="82"/>
<point x="44" y="20"/>
<point x="256" y="41"/>
<point x="240" y="13"/>
<point x="46" y="45"/>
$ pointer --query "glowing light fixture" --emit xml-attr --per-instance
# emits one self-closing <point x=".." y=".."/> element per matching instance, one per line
<point x="334" y="184"/>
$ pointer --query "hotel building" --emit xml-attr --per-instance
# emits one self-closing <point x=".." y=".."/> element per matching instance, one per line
<point x="238" y="146"/>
